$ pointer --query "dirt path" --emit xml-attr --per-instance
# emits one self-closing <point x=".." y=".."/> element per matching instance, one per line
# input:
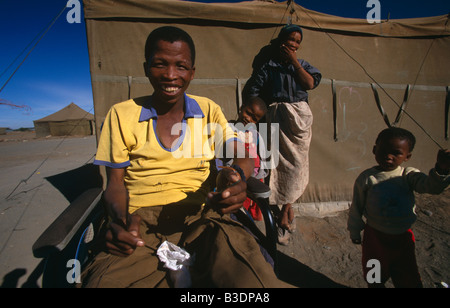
<point x="32" y="194"/>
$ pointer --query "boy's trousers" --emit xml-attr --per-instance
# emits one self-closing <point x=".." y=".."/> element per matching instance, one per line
<point x="396" y="256"/>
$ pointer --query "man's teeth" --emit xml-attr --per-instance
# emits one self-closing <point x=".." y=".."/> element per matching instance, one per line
<point x="171" y="89"/>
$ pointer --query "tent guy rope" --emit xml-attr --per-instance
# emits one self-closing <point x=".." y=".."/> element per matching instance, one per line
<point x="48" y="156"/>
<point x="378" y="84"/>
<point x="29" y="52"/>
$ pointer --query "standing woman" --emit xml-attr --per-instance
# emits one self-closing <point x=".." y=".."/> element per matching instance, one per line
<point x="282" y="81"/>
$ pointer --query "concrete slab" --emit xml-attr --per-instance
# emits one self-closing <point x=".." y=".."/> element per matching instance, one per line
<point x="320" y="209"/>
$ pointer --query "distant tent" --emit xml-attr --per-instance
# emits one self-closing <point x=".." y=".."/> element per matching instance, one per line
<point x="69" y="121"/>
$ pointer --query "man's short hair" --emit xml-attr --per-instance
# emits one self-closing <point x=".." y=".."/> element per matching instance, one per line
<point x="400" y="133"/>
<point x="168" y="34"/>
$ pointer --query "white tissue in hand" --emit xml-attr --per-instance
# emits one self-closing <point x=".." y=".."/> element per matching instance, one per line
<point x="173" y="256"/>
<point x="177" y="260"/>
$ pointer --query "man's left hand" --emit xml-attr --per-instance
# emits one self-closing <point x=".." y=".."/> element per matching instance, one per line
<point x="230" y="199"/>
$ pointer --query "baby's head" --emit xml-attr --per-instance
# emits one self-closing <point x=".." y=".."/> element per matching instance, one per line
<point x="393" y="147"/>
<point x="252" y="111"/>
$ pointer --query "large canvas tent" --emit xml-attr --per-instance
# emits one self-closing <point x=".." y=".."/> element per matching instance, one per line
<point x="368" y="70"/>
<point x="69" y="121"/>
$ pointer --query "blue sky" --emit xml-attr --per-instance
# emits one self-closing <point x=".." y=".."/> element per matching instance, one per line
<point x="56" y="72"/>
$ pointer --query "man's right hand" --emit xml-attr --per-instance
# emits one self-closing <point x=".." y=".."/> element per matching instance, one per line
<point x="123" y="239"/>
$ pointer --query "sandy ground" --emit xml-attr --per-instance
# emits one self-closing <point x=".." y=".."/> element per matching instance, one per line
<point x="320" y="253"/>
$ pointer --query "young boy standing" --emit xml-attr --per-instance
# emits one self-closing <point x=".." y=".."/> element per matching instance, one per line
<point x="384" y="195"/>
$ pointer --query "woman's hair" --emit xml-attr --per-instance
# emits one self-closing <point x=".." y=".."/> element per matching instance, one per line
<point x="288" y="29"/>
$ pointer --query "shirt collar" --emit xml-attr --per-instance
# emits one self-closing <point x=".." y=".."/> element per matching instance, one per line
<point x="192" y="110"/>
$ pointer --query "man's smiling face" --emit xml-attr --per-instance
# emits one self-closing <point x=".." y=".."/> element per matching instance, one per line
<point x="170" y="71"/>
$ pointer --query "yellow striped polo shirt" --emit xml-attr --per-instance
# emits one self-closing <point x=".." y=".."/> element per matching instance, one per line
<point x="156" y="175"/>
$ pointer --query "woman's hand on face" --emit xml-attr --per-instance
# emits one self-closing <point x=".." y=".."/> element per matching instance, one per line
<point x="288" y="53"/>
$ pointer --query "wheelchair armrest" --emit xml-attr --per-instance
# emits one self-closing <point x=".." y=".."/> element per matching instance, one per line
<point x="61" y="231"/>
<point x="257" y="189"/>
<point x="260" y="192"/>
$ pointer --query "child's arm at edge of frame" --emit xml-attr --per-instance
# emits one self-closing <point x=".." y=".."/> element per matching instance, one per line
<point x="443" y="162"/>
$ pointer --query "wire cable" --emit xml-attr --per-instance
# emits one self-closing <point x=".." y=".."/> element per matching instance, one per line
<point x="281" y="21"/>
<point x="376" y="82"/>
<point x="48" y="156"/>
<point x="423" y="62"/>
<point x="29" y="52"/>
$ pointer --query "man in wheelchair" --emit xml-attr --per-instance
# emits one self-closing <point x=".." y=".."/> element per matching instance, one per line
<point x="157" y="151"/>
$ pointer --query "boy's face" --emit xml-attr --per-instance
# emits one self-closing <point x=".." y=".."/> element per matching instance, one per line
<point x="250" y="114"/>
<point x="170" y="71"/>
<point x="391" y="153"/>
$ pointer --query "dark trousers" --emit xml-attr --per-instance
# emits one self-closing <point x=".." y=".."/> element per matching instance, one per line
<point x="396" y="256"/>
